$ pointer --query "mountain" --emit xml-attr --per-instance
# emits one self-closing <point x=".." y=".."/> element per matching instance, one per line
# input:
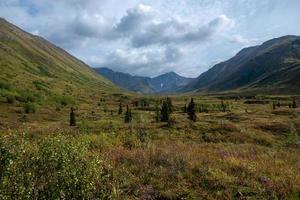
<point x="273" y="66"/>
<point x="127" y="81"/>
<point x="165" y="83"/>
<point x="169" y="82"/>
<point x="32" y="63"/>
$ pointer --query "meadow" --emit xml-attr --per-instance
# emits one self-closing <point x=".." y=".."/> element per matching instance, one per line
<point x="249" y="150"/>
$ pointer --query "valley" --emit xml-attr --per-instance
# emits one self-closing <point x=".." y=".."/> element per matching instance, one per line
<point x="67" y="132"/>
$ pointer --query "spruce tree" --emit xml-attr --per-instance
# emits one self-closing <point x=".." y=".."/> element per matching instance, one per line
<point x="278" y="104"/>
<point x="191" y="110"/>
<point x="120" y="108"/>
<point x="170" y="105"/>
<point x="165" y="111"/>
<point x="184" y="108"/>
<point x="128" y="116"/>
<point x="294" y="103"/>
<point x="72" y="117"/>
<point x="157" y="113"/>
<point x="274" y="105"/>
<point x="223" y="106"/>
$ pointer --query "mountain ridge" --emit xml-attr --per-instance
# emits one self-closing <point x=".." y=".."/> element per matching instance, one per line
<point x="265" y="67"/>
<point x="169" y="82"/>
<point x="26" y="59"/>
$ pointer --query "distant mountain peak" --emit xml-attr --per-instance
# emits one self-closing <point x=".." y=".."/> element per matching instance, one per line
<point x="165" y="83"/>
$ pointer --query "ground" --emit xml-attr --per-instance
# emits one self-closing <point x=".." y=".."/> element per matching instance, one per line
<point x="250" y="151"/>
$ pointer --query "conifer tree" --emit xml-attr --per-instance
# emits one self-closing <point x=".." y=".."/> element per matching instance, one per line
<point x="191" y="110"/>
<point x="72" y="117"/>
<point x="294" y="103"/>
<point x="157" y="113"/>
<point x="165" y="111"/>
<point x="274" y="105"/>
<point x="184" y="108"/>
<point x="170" y="105"/>
<point x="278" y="104"/>
<point x="223" y="106"/>
<point x="128" y="116"/>
<point x="120" y="108"/>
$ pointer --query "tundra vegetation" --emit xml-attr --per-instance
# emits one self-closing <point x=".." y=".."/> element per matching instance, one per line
<point x="176" y="147"/>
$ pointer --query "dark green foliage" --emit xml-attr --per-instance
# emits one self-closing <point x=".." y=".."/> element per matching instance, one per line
<point x="223" y="106"/>
<point x="157" y="112"/>
<point x="170" y="105"/>
<point x="145" y="102"/>
<point x="278" y="104"/>
<point x="10" y="99"/>
<point x="5" y="86"/>
<point x="274" y="105"/>
<point x="184" y="108"/>
<point x="128" y="116"/>
<point x="72" y="117"/>
<point x="166" y="110"/>
<point x="40" y="85"/>
<point x="191" y="110"/>
<point x="30" y="107"/>
<point x="120" y="108"/>
<point x="65" y="100"/>
<point x="54" y="168"/>
<point x="294" y="103"/>
<point x="26" y="97"/>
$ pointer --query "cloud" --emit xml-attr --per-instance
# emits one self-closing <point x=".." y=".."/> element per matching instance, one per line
<point x="134" y="19"/>
<point x="137" y="61"/>
<point x="239" y="39"/>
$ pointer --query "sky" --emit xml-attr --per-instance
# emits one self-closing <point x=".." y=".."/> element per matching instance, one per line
<point x="152" y="37"/>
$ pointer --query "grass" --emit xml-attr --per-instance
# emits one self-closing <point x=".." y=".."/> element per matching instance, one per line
<point x="248" y="151"/>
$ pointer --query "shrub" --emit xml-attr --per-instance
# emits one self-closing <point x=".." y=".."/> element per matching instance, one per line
<point x="30" y="108"/>
<point x="66" y="100"/>
<point x="5" y="86"/>
<point x="56" y="167"/>
<point x="40" y="85"/>
<point x="10" y="99"/>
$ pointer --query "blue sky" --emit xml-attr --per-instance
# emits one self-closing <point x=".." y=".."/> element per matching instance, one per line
<point x="151" y="37"/>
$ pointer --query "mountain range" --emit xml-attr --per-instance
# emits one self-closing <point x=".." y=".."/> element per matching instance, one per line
<point x="31" y="62"/>
<point x="273" y="67"/>
<point x="165" y="83"/>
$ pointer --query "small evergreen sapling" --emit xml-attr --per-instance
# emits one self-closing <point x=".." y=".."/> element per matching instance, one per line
<point x="72" y="117"/>
<point x="191" y="110"/>
<point x="120" y="108"/>
<point x="157" y="113"/>
<point x="294" y="103"/>
<point x="274" y="105"/>
<point x="165" y="111"/>
<point x="128" y="116"/>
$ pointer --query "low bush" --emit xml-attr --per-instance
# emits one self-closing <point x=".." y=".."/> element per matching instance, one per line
<point x="30" y="108"/>
<point x="56" y="167"/>
<point x="10" y="99"/>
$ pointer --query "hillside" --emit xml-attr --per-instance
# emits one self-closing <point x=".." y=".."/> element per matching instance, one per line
<point x="165" y="83"/>
<point x="32" y="63"/>
<point x="273" y="66"/>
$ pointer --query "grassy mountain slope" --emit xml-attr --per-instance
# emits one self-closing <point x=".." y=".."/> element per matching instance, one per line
<point x="30" y="62"/>
<point x="273" y="66"/>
